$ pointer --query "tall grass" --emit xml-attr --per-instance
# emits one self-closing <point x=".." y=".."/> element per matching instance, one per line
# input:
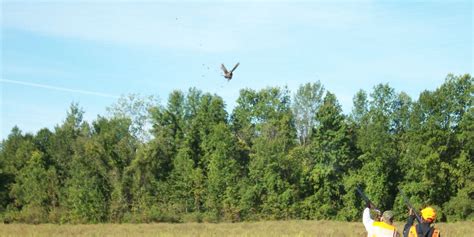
<point x="266" y="228"/>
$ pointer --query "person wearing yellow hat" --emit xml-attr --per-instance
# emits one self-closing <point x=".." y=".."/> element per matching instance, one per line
<point x="423" y="229"/>
<point x="382" y="228"/>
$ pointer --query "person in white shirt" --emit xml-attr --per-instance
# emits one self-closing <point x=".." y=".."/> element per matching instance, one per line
<point x="382" y="228"/>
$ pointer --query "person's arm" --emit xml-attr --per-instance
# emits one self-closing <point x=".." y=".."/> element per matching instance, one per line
<point x="368" y="222"/>
<point x="406" y="229"/>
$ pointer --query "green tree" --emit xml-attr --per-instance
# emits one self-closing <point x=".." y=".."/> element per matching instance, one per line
<point x="222" y="173"/>
<point x="181" y="180"/>
<point x="35" y="190"/>
<point x="269" y="125"/>
<point x="353" y="177"/>
<point x="118" y="146"/>
<point x="144" y="179"/>
<point x="376" y="142"/>
<point x="330" y="156"/>
<point x="43" y="142"/>
<point x="136" y="108"/>
<point x="5" y="179"/>
<point x="460" y="206"/>
<point x="171" y="121"/>
<point x="11" y="160"/>
<point x="360" y="107"/>
<point x="435" y="165"/>
<point x="88" y="190"/>
<point x="306" y="102"/>
<point x="64" y="140"/>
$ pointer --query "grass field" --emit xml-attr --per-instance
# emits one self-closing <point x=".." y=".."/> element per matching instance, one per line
<point x="267" y="228"/>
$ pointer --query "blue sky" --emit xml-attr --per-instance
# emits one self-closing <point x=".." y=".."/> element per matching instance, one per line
<point x="91" y="52"/>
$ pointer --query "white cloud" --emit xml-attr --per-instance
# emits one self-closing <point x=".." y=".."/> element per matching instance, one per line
<point x="50" y="87"/>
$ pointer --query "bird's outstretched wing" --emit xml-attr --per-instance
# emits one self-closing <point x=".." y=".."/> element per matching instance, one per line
<point x="224" y="69"/>
<point x="236" y="65"/>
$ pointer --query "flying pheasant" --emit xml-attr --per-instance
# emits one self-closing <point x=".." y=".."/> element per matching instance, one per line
<point x="228" y="75"/>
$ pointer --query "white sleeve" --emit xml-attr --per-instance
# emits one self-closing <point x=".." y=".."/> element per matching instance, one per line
<point x="366" y="219"/>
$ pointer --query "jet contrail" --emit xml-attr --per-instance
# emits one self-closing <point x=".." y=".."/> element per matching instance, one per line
<point x="58" y="88"/>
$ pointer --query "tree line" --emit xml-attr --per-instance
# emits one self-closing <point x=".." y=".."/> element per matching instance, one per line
<point x="277" y="155"/>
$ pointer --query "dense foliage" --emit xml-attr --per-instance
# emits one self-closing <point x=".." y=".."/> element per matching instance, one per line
<point x="276" y="156"/>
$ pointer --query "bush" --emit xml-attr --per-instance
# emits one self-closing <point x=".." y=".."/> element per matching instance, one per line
<point x="211" y="217"/>
<point x="460" y="207"/>
<point x="30" y="214"/>
<point x="158" y="215"/>
<point x="58" y="215"/>
<point x="153" y="214"/>
<point x="10" y="215"/>
<point x="193" y="217"/>
<point x="33" y="214"/>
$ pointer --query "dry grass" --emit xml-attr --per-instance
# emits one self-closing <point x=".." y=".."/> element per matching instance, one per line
<point x="267" y="228"/>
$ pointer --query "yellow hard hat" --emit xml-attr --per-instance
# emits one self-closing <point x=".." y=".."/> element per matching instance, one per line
<point x="428" y="214"/>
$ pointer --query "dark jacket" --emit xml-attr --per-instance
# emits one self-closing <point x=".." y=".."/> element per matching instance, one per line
<point x="420" y="228"/>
